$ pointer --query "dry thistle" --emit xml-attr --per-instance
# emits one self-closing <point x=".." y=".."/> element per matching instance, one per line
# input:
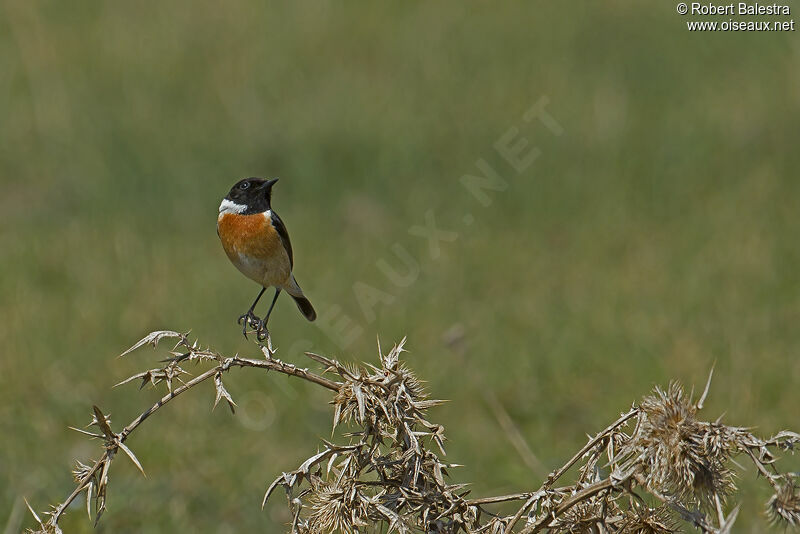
<point x="641" y="519"/>
<point x="784" y="505"/>
<point x="681" y="456"/>
<point x="387" y="473"/>
<point x="390" y="476"/>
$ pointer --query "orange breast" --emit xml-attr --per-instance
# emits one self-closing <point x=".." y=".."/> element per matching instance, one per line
<point x="255" y="248"/>
<point x="251" y="235"/>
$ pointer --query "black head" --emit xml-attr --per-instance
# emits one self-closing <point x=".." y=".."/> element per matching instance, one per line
<point x="251" y="195"/>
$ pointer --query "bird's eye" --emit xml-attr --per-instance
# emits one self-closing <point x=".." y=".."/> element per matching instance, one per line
<point x="244" y="185"/>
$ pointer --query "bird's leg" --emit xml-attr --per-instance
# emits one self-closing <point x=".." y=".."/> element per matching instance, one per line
<point x="249" y="318"/>
<point x="262" y="331"/>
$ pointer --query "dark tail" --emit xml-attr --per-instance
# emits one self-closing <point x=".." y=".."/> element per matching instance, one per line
<point x="305" y="307"/>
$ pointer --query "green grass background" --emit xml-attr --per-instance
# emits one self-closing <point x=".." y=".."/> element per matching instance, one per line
<point x="657" y="235"/>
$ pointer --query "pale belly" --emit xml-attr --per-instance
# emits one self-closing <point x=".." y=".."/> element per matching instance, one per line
<point x="272" y="272"/>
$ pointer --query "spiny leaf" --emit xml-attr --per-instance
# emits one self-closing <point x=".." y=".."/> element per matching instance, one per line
<point x="222" y="393"/>
<point x="132" y="456"/>
<point x="35" y="515"/>
<point x="152" y="338"/>
<point x="702" y="400"/>
<point x="101" y="422"/>
<point x="92" y="434"/>
<point x="89" y="488"/>
<point x="725" y="528"/>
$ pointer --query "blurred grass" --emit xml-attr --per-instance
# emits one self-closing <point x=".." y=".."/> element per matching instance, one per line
<point x="656" y="236"/>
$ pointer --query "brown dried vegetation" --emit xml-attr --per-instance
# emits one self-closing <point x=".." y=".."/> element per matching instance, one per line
<point x="654" y="468"/>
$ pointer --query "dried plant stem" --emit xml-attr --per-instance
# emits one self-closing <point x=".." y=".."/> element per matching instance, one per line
<point x="578" y="497"/>
<point x="498" y="499"/>
<point x="523" y="510"/>
<point x="763" y="470"/>
<point x="514" y="435"/>
<point x="273" y="364"/>
<point x="123" y="435"/>
<point x="589" y="446"/>
<point x="554" y="476"/>
<point x="164" y="400"/>
<point x="236" y="361"/>
<point x="585" y="493"/>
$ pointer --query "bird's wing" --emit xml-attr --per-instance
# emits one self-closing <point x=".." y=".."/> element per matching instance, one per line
<point x="284" y="235"/>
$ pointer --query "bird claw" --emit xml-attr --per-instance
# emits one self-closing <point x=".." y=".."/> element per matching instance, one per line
<point x="262" y="333"/>
<point x="257" y="326"/>
<point x="250" y="320"/>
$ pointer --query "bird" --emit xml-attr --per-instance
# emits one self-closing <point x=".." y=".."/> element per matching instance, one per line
<point x="256" y="241"/>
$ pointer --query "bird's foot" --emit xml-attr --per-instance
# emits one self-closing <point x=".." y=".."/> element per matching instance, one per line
<point x="249" y="320"/>
<point x="262" y="332"/>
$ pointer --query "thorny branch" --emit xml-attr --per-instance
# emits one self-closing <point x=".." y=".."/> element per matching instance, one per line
<point x="389" y="476"/>
<point x="94" y="478"/>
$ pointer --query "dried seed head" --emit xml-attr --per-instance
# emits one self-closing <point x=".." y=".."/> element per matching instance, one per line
<point x="583" y="518"/>
<point x="80" y="471"/>
<point x="336" y="508"/>
<point x="385" y="396"/>
<point x="646" y="520"/>
<point x="784" y="505"/>
<point x="682" y="456"/>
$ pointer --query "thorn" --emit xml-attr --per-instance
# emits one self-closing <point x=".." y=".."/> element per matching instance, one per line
<point x="32" y="512"/>
<point x="702" y="400"/>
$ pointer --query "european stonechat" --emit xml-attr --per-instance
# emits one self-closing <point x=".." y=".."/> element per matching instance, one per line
<point x="256" y="241"/>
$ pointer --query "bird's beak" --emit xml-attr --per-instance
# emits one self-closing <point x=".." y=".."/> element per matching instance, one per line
<point x="268" y="184"/>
